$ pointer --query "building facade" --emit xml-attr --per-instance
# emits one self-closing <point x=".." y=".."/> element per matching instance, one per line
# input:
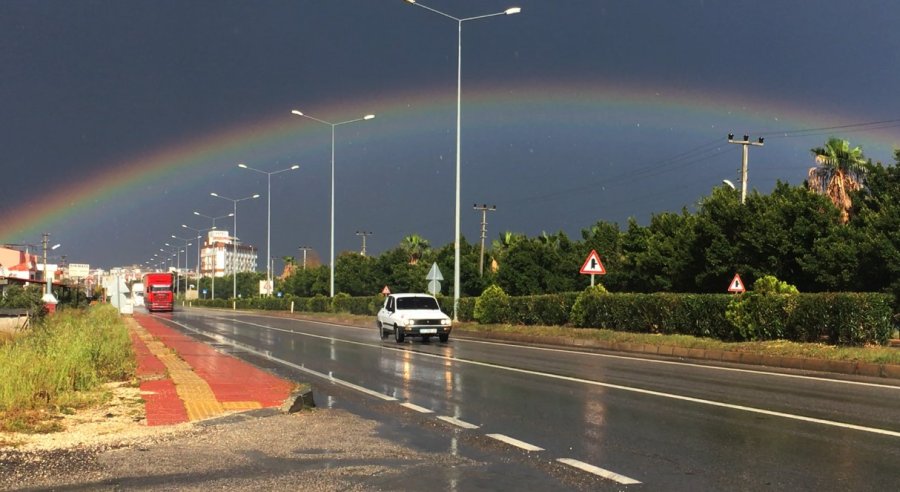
<point x="220" y="256"/>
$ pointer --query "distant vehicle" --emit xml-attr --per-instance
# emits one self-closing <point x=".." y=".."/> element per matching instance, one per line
<point x="412" y="315"/>
<point x="137" y="294"/>
<point x="158" y="292"/>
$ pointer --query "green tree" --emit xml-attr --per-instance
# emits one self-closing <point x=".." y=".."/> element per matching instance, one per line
<point x="354" y="274"/>
<point x="414" y="245"/>
<point x="839" y="170"/>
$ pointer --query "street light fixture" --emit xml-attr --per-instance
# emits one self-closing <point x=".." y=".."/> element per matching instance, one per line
<point x="234" y="201"/>
<point x="268" y="219"/>
<point x="199" y="237"/>
<point x="187" y="242"/>
<point x="459" y="22"/>
<point x="332" y="125"/>
<point x="213" y="266"/>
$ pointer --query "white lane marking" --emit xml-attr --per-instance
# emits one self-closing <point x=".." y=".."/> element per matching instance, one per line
<point x="413" y="406"/>
<point x="607" y="356"/>
<point x="269" y="356"/>
<point x="459" y="423"/>
<point x="515" y="442"/>
<point x="596" y="470"/>
<point x="690" y="364"/>
<point x="831" y="423"/>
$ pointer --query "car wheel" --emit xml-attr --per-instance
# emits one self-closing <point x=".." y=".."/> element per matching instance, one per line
<point x="380" y="327"/>
<point x="444" y="337"/>
<point x="398" y="334"/>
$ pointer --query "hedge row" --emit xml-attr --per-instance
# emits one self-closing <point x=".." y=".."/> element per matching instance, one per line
<point x="836" y="318"/>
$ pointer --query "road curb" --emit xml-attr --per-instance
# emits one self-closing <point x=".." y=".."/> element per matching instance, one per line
<point x="855" y="368"/>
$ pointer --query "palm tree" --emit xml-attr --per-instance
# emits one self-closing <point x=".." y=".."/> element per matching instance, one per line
<point x="414" y="245"/>
<point x="838" y="171"/>
<point x="499" y="247"/>
<point x="289" y="265"/>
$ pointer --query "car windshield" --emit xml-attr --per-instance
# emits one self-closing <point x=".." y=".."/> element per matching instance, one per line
<point x="404" y="303"/>
<point x="160" y="288"/>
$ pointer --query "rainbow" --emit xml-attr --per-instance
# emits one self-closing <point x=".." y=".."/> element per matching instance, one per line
<point x="409" y="116"/>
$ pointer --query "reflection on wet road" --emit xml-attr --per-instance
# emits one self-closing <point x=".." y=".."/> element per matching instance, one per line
<point x="668" y="425"/>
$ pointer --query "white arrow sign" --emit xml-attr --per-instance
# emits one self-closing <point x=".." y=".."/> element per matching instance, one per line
<point x="435" y="273"/>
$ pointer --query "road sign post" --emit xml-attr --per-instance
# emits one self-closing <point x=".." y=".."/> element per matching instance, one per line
<point x="736" y="286"/>
<point x="434" y="278"/>
<point x="592" y="266"/>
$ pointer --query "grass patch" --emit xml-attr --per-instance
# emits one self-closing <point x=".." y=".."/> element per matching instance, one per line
<point x="60" y="364"/>
<point x="874" y="354"/>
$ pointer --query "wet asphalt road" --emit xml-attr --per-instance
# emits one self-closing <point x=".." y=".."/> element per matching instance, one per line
<point x="667" y="425"/>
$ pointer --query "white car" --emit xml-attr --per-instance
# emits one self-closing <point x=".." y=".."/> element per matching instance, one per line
<point x="412" y="315"/>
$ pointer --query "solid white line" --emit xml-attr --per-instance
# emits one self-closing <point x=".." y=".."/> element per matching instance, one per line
<point x="688" y="364"/>
<point x="459" y="423"/>
<point x="515" y="442"/>
<point x="802" y="418"/>
<point x="596" y="470"/>
<point x="415" y="407"/>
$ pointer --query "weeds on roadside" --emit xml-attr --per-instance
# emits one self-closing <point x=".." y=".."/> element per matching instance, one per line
<point x="59" y="363"/>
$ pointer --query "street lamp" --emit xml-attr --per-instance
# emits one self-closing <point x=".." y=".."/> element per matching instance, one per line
<point x="199" y="237"/>
<point x="332" y="125"/>
<point x="187" y="242"/>
<point x="234" y="201"/>
<point x="268" y="218"/>
<point x="304" y="249"/>
<point x="213" y="266"/>
<point x="459" y="22"/>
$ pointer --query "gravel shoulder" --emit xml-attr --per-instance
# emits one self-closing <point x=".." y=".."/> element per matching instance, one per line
<point x="319" y="449"/>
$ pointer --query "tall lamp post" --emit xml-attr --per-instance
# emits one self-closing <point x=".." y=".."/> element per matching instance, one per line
<point x="234" y="201"/>
<point x="268" y="219"/>
<point x="199" y="237"/>
<point x="332" y="125"/>
<point x="213" y="267"/>
<point x="459" y="22"/>
<point x="187" y="242"/>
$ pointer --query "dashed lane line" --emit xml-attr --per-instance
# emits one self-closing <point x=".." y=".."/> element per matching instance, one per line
<point x="515" y="442"/>
<point x="417" y="408"/>
<point x="459" y="423"/>
<point x="596" y="470"/>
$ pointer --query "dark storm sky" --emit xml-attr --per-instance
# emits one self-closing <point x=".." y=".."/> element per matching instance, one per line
<point x="573" y="111"/>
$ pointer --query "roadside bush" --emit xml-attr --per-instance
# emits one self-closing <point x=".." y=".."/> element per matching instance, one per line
<point x="465" y="309"/>
<point x="492" y="306"/>
<point x="340" y="303"/>
<point x="550" y="309"/>
<point x="763" y="313"/>
<point x="318" y="304"/>
<point x="588" y="310"/>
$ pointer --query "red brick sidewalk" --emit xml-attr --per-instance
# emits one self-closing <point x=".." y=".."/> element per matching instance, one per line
<point x="184" y="380"/>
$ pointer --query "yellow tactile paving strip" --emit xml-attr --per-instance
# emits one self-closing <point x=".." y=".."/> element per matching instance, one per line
<point x="198" y="398"/>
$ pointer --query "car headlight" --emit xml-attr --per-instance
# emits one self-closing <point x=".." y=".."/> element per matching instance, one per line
<point x="445" y="321"/>
<point x="408" y="322"/>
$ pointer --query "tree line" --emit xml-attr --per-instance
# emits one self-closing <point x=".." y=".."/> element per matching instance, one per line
<point x="838" y="231"/>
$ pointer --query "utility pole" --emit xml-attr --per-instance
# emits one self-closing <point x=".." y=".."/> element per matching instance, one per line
<point x="45" y="239"/>
<point x="746" y="143"/>
<point x="304" y="249"/>
<point x="364" y="234"/>
<point x="484" y="210"/>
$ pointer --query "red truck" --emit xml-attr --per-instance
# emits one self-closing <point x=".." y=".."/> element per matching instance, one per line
<point x="158" y="294"/>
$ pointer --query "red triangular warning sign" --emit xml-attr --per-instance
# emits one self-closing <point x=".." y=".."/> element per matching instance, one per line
<point x="592" y="265"/>
<point x="736" y="285"/>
